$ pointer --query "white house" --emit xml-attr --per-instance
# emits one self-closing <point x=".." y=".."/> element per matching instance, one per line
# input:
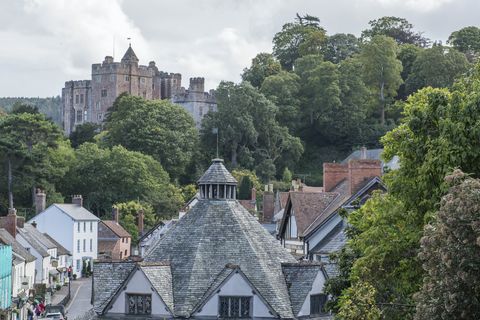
<point x="74" y="227"/>
<point x="41" y="248"/>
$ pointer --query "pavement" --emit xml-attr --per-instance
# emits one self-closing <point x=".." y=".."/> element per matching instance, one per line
<point x="81" y="291"/>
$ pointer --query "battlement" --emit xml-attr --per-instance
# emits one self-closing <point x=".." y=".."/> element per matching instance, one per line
<point x="197" y="84"/>
<point x="77" y="84"/>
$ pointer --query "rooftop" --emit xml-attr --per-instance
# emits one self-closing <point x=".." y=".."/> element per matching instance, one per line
<point x="7" y="238"/>
<point x="116" y="228"/>
<point x="217" y="173"/>
<point x="75" y="211"/>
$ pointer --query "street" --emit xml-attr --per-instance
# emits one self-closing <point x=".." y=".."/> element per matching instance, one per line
<point x="80" y="300"/>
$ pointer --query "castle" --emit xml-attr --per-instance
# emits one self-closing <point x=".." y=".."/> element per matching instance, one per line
<point x="88" y="100"/>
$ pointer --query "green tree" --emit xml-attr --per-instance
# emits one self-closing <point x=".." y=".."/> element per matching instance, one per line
<point x="340" y="46"/>
<point x="360" y="304"/>
<point x="109" y="176"/>
<point x="450" y="255"/>
<point x="287" y="176"/>
<point x="436" y="67"/>
<point x="249" y="134"/>
<point x="158" y="128"/>
<point x="263" y="66"/>
<point x="19" y="107"/>
<point x="240" y="174"/>
<point x="244" y="188"/>
<point x="381" y="69"/>
<point x="303" y="36"/>
<point x="397" y="28"/>
<point x="129" y="217"/>
<point x="25" y="141"/>
<point x="466" y="40"/>
<point x="283" y="90"/>
<point x="84" y="133"/>
<point x="407" y="54"/>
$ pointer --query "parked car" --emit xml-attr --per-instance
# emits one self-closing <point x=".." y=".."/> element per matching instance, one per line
<point x="56" y="312"/>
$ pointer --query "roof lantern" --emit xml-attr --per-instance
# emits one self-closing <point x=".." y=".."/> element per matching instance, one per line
<point x="217" y="182"/>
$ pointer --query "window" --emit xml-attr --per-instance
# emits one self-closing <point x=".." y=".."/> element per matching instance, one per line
<point x="78" y="245"/>
<point x="97" y="105"/>
<point x="91" y="245"/>
<point x="201" y="111"/>
<point x="100" y="116"/>
<point x="76" y="98"/>
<point x="235" y="307"/>
<point x="79" y="116"/>
<point x="139" y="303"/>
<point x="78" y="226"/>
<point x="84" y="245"/>
<point x="112" y="77"/>
<point x="84" y="226"/>
<point x="317" y="301"/>
<point x="91" y="226"/>
<point x="121" y="255"/>
<point x="104" y="92"/>
<point x="79" y="264"/>
<point x="98" y="79"/>
<point x="125" y="253"/>
<point x="127" y="78"/>
<point x="81" y="98"/>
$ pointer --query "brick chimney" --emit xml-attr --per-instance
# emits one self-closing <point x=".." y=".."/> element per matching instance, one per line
<point x="40" y="201"/>
<point x="9" y="222"/>
<point x="140" y="221"/>
<point x="363" y="153"/>
<point x="77" y="199"/>
<point x="359" y="171"/>
<point x="268" y="206"/>
<point x="333" y="173"/>
<point x="115" y="214"/>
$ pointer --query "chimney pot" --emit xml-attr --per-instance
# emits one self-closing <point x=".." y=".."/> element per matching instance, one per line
<point x="363" y="153"/>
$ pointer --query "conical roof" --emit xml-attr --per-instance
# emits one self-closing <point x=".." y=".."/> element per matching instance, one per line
<point x="212" y="235"/>
<point x="130" y="56"/>
<point x="217" y="173"/>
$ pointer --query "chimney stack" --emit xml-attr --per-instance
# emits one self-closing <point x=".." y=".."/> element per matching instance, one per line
<point x="360" y="171"/>
<point x="254" y="195"/>
<point x="115" y="215"/>
<point x="40" y="201"/>
<point x="77" y="199"/>
<point x="140" y="222"/>
<point x="333" y="174"/>
<point x="9" y="222"/>
<point x="363" y="153"/>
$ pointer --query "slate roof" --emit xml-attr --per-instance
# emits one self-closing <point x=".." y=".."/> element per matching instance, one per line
<point x="61" y="251"/>
<point x="160" y="276"/>
<point x="152" y="229"/>
<point x="116" y="228"/>
<point x="36" y="239"/>
<point x="130" y="56"/>
<point x="213" y="234"/>
<point x="299" y="278"/>
<point x="283" y="199"/>
<point x="307" y="207"/>
<point x="6" y="237"/>
<point x="108" y="278"/>
<point x="374" y="154"/>
<point x="75" y="211"/>
<point x="217" y="173"/>
<point x="333" y="242"/>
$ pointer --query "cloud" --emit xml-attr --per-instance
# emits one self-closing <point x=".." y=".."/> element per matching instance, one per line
<point x="416" y="5"/>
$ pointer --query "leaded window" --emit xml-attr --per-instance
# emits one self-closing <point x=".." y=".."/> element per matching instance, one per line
<point x="317" y="301"/>
<point x="139" y="303"/>
<point x="235" y="307"/>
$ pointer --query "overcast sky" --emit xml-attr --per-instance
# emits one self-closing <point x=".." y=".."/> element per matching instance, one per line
<point x="47" y="42"/>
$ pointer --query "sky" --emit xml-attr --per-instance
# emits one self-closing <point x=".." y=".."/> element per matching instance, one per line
<point x="48" y="42"/>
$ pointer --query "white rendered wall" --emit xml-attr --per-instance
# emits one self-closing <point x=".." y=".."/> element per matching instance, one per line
<point x="84" y="235"/>
<point x="139" y="284"/>
<point x="317" y="288"/>
<point x="39" y="262"/>
<point x="57" y="224"/>
<point x="17" y="274"/>
<point x="235" y="286"/>
<point x="30" y="273"/>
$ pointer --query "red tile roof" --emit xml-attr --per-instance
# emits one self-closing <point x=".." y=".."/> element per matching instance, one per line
<point x="116" y="228"/>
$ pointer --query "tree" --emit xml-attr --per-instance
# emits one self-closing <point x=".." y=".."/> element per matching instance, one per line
<point x="466" y="40"/>
<point x="129" y="217"/>
<point x="407" y="54"/>
<point x="244" y="188"/>
<point x="397" y="28"/>
<point x="283" y="90"/>
<point x="450" y="254"/>
<point x="109" y="176"/>
<point x="249" y="134"/>
<point x="84" y="133"/>
<point x="154" y="127"/>
<point x="240" y="174"/>
<point x="340" y="46"/>
<point x="287" y="176"/>
<point x="296" y="38"/>
<point x="25" y="140"/>
<point x="361" y="303"/>
<point x="436" y="67"/>
<point x="263" y="66"/>
<point x="19" y="107"/>
<point x="382" y="69"/>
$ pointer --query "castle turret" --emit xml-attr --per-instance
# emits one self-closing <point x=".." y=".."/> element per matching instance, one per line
<point x="130" y="56"/>
<point x="197" y="84"/>
<point x="217" y="182"/>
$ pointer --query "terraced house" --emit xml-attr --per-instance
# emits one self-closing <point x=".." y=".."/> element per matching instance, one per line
<point x="215" y="262"/>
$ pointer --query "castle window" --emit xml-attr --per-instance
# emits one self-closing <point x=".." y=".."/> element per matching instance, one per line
<point x="79" y="116"/>
<point x="98" y="79"/>
<point x="235" y="307"/>
<point x="139" y="303"/>
<point x="104" y="92"/>
<point x="100" y="116"/>
<point x="127" y="78"/>
<point x="76" y="98"/>
<point x="201" y="111"/>
<point x="112" y="77"/>
<point x="81" y="98"/>
<point x="97" y="105"/>
<point x="317" y="301"/>
<point x="143" y="80"/>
